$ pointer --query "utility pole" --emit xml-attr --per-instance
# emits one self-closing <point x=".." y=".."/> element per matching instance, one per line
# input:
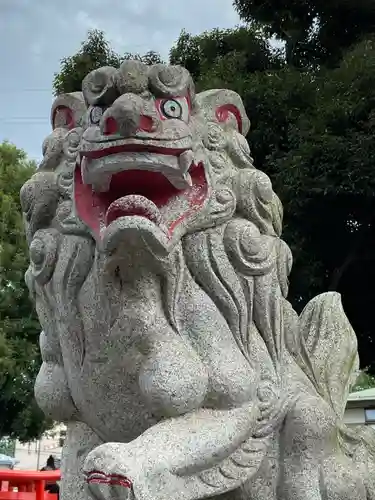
<point x="38" y="455"/>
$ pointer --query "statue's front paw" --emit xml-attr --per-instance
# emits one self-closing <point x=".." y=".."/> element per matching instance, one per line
<point x="105" y="476"/>
<point x="103" y="486"/>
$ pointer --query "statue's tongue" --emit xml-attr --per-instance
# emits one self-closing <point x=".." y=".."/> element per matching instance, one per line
<point x="133" y="205"/>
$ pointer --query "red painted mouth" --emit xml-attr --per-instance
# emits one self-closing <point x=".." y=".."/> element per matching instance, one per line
<point x="140" y="192"/>
<point x="96" y="477"/>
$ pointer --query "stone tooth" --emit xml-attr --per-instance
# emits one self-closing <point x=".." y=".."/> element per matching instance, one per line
<point x="187" y="179"/>
<point x="178" y="180"/>
<point x="85" y="173"/>
<point x="185" y="160"/>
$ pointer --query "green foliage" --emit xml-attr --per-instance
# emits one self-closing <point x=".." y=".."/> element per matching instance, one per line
<point x="94" y="53"/>
<point x="312" y="133"/>
<point x="364" y="381"/>
<point x="315" y="31"/>
<point x="19" y="327"/>
<point x="245" y="49"/>
<point x="325" y="175"/>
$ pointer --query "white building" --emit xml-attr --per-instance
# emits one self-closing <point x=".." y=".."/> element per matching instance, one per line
<point x="360" y="408"/>
<point x="34" y="455"/>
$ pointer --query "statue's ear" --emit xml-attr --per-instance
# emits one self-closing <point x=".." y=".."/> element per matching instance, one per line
<point x="224" y="107"/>
<point x="68" y="111"/>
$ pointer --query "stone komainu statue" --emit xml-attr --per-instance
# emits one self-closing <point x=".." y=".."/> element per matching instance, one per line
<point x="160" y="281"/>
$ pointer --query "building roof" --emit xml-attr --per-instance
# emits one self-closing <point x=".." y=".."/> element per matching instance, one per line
<point x="360" y="395"/>
<point x="361" y="399"/>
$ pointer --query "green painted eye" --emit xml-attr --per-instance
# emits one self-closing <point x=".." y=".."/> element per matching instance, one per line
<point x="171" y="109"/>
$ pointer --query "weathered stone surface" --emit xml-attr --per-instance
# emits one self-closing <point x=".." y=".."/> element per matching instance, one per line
<point x="160" y="281"/>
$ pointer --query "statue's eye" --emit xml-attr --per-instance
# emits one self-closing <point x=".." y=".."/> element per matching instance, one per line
<point x="171" y="109"/>
<point x="95" y="115"/>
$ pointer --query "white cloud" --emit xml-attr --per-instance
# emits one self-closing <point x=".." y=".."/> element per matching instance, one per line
<point x="31" y="56"/>
<point x="137" y="7"/>
<point x="37" y="49"/>
<point x="85" y="21"/>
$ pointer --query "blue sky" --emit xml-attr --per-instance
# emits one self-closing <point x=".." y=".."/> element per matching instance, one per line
<point x="36" y="34"/>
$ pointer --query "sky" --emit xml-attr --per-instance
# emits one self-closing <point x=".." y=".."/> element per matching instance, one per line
<point x="36" y="34"/>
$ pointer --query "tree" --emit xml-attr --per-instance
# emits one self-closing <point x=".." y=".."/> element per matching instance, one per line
<point x="243" y="60"/>
<point x="19" y="326"/>
<point x="245" y="47"/>
<point x="364" y="381"/>
<point x="328" y="187"/>
<point x="312" y="133"/>
<point x="94" y="52"/>
<point x="315" y="31"/>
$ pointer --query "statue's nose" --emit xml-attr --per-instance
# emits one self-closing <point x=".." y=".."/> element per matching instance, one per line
<point x="126" y="116"/>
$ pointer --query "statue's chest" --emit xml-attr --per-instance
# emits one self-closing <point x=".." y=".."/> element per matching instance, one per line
<point x="151" y="361"/>
<point x="232" y="380"/>
<point x="141" y="365"/>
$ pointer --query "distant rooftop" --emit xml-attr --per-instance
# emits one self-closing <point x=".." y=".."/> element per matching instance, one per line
<point x="366" y="394"/>
<point x="362" y="398"/>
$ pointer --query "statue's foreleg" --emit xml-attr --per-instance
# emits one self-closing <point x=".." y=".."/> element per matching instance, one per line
<point x="201" y="454"/>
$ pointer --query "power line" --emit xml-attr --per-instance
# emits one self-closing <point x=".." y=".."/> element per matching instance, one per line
<point x="4" y="89"/>
<point x="25" y="119"/>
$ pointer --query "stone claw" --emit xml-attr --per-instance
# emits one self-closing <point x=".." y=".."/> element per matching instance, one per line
<point x="104" y="486"/>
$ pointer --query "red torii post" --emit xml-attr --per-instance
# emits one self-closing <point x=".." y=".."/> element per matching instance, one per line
<point x="29" y="483"/>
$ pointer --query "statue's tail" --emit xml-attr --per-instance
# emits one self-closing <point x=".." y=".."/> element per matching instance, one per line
<point x="328" y="349"/>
